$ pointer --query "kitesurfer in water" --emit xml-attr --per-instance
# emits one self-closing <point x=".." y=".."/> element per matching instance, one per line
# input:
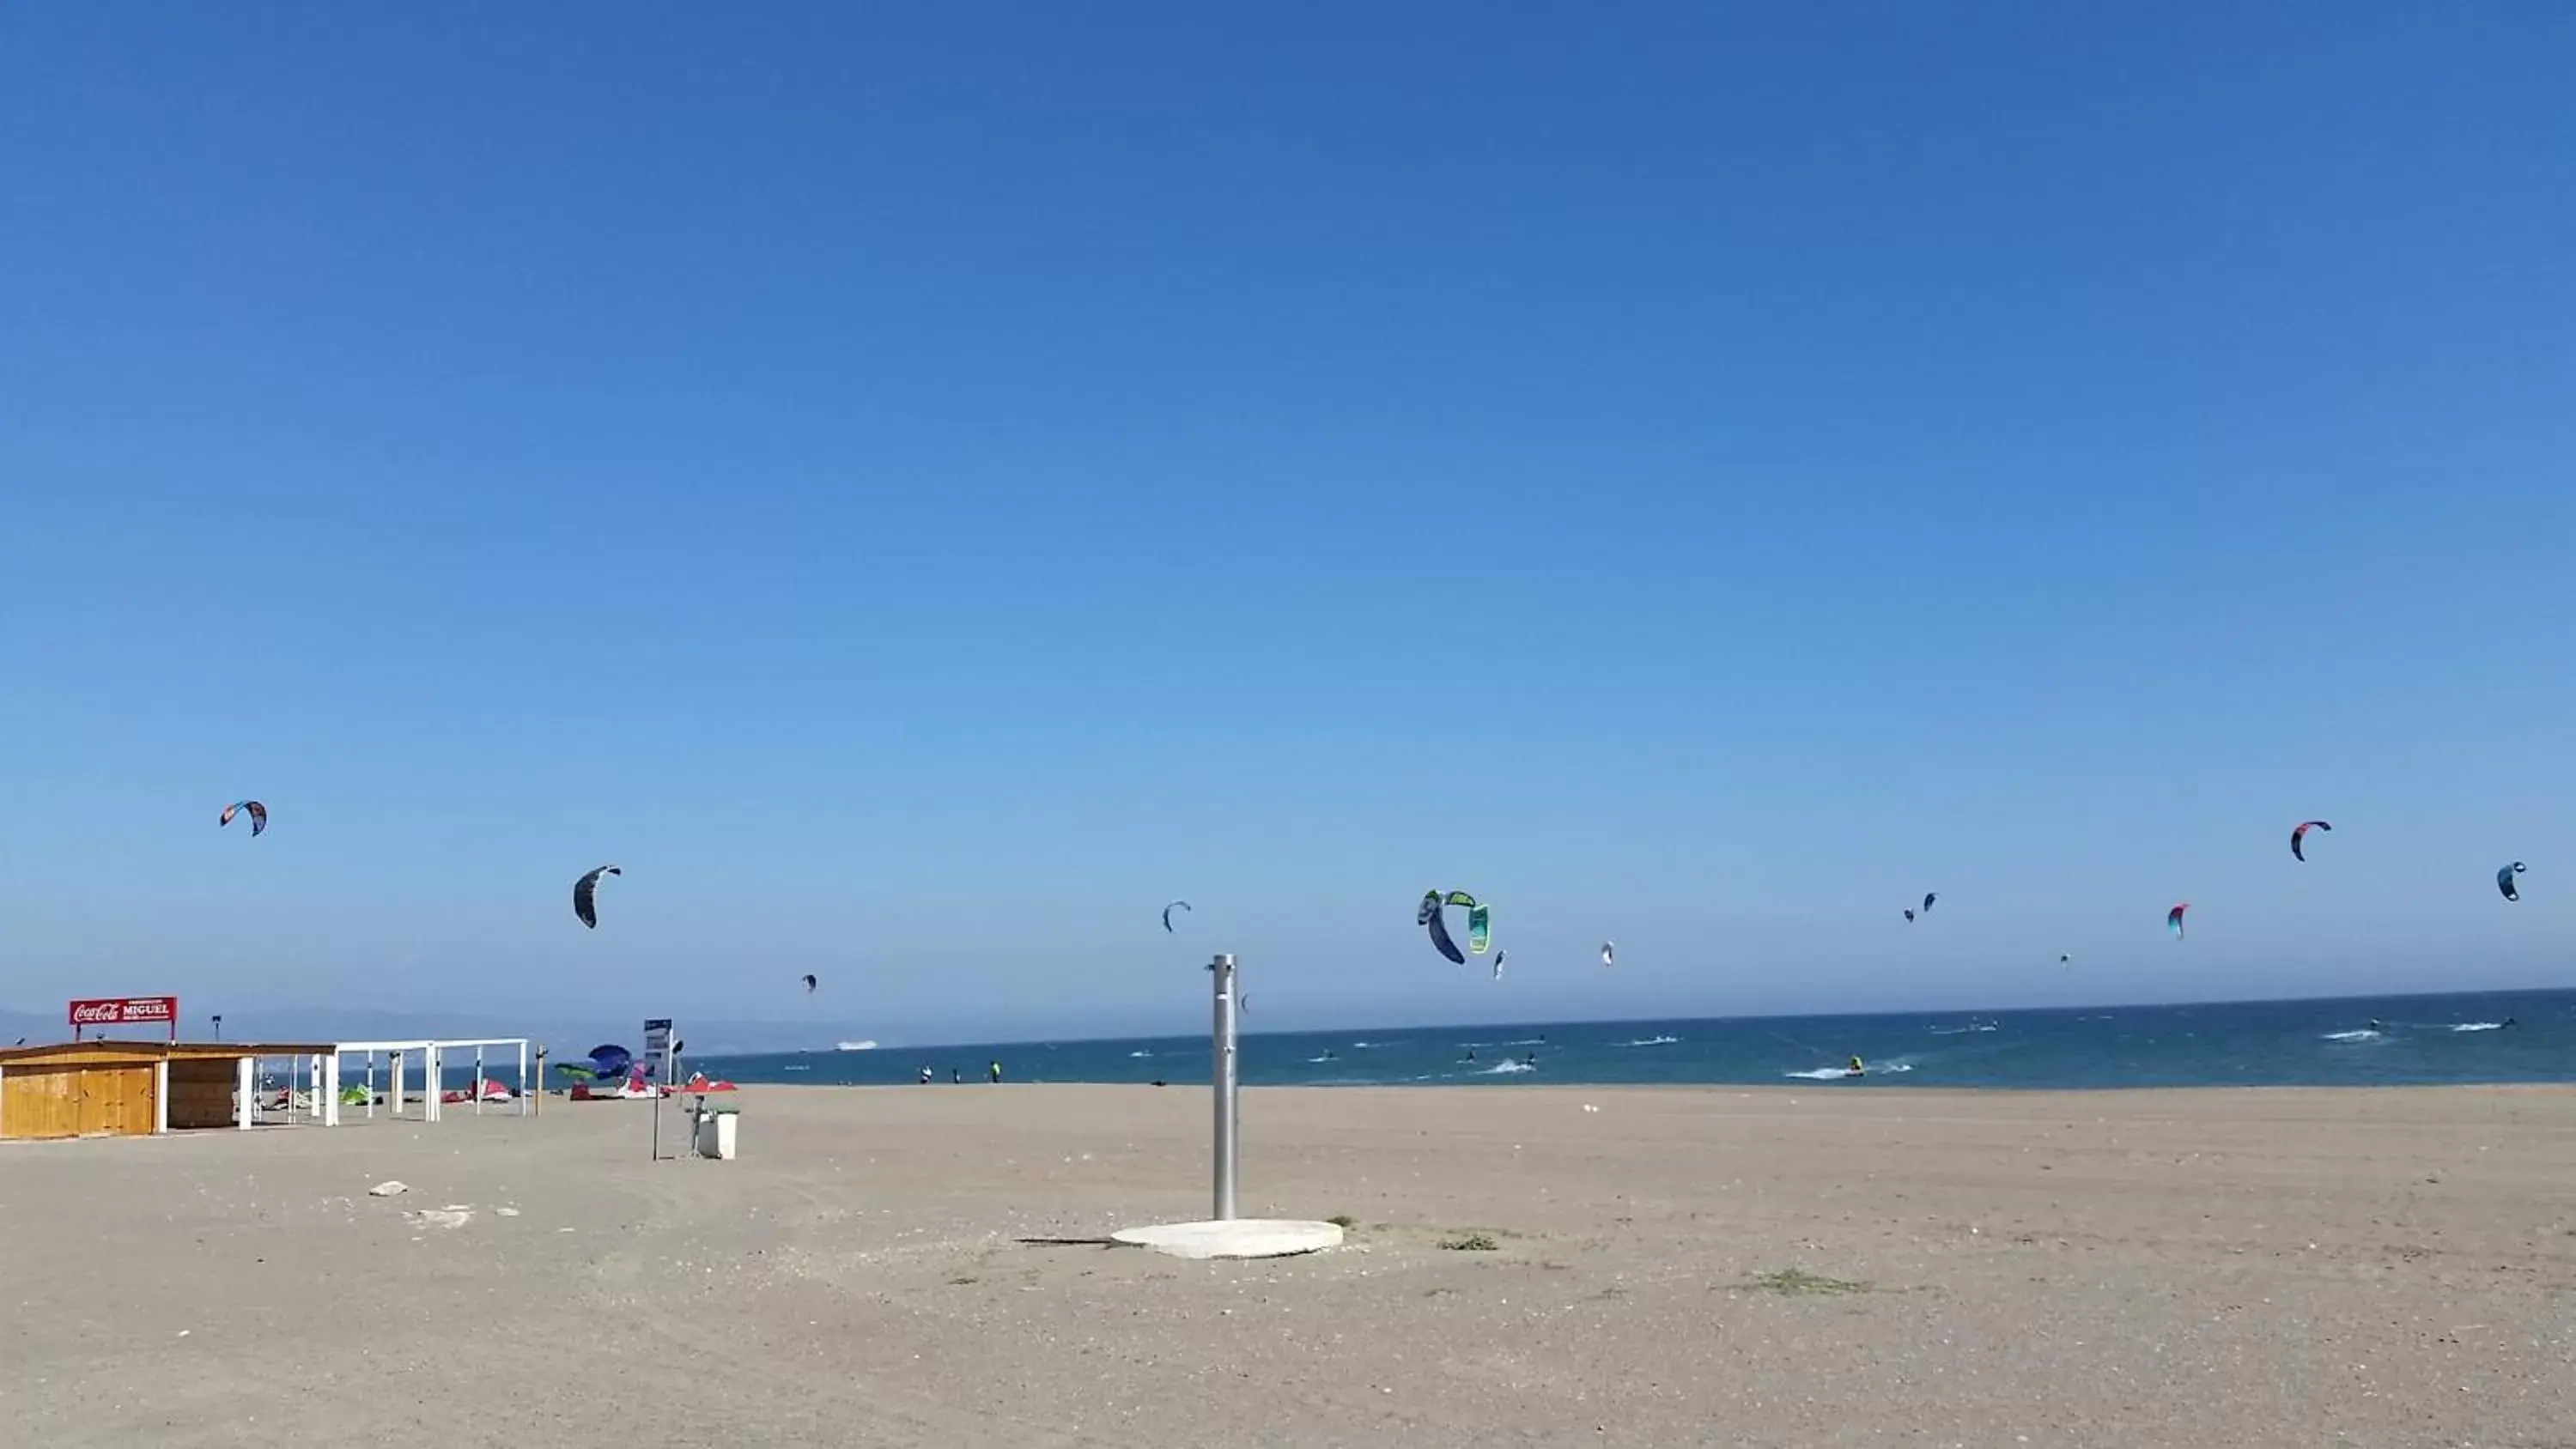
<point x="1855" y="1069"/>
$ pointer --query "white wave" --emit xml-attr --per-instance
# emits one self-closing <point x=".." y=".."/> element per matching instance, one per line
<point x="796" y="1067"/>
<point x="1653" y="1041"/>
<point x="1500" y="1068"/>
<point x="2365" y="1034"/>
<point x="1528" y="1041"/>
<point x="1326" y="1057"/>
<point x="1133" y="1055"/>
<point x="2478" y="1026"/>
<point x="1836" y="1074"/>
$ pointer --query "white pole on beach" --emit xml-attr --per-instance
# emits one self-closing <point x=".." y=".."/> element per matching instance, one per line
<point x="1222" y="968"/>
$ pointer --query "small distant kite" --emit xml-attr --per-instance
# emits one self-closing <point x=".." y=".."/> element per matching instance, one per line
<point x="1909" y="915"/>
<point x="810" y="983"/>
<point x="1432" y="917"/>
<point x="2173" y="919"/>
<point x="1928" y="899"/>
<point x="585" y="895"/>
<point x="2299" y="833"/>
<point x="1609" y="953"/>
<point x="2504" y="881"/>
<point x="258" y="815"/>
<point x="1499" y="958"/>
<point x="1167" y="914"/>
<point x="2064" y="960"/>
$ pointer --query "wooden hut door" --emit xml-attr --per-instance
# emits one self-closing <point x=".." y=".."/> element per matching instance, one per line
<point x="108" y="1097"/>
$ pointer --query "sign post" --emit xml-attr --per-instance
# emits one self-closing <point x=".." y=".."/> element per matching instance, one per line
<point x="657" y="1044"/>
<point x="125" y="1011"/>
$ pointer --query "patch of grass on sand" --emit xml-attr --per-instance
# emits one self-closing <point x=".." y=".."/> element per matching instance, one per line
<point x="1344" y="1221"/>
<point x="1470" y="1243"/>
<point x="1799" y="1283"/>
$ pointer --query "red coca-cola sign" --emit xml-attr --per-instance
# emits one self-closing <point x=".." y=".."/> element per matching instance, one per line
<point x="127" y="1011"/>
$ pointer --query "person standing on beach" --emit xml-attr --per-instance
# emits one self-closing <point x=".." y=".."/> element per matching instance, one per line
<point x="994" y="1071"/>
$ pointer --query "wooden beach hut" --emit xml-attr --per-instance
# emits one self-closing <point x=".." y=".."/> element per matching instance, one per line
<point x="129" y="1088"/>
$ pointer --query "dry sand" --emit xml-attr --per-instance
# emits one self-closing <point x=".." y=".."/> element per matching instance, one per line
<point x="1681" y="1267"/>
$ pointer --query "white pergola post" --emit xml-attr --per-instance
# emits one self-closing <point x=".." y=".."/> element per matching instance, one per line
<point x="330" y="1071"/>
<point x="161" y="1098"/>
<point x="478" y="1080"/>
<point x="394" y="1066"/>
<point x="433" y="1074"/>
<point x="524" y="1093"/>
<point x="246" y="1088"/>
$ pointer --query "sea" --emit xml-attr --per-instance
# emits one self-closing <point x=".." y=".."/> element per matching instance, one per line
<point x="2355" y="1042"/>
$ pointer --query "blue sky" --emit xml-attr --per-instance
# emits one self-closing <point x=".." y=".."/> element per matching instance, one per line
<point x="918" y="486"/>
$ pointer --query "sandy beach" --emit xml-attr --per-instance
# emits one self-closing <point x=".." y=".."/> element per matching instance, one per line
<point x="1700" y="1266"/>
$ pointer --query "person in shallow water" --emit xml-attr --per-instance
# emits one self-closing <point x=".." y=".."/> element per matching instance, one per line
<point x="1855" y="1069"/>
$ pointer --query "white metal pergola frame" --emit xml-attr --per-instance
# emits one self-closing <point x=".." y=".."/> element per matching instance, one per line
<point x="432" y="1053"/>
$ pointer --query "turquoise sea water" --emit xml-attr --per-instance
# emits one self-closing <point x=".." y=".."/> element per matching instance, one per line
<point x="2486" y="1037"/>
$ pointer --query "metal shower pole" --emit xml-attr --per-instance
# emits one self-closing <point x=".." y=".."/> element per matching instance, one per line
<point x="1222" y="969"/>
